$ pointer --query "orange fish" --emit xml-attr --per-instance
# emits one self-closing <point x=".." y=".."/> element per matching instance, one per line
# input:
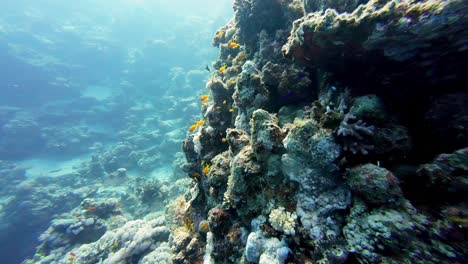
<point x="233" y="45"/>
<point x="196" y="125"/>
<point x="192" y="128"/>
<point x="203" y="226"/>
<point x="206" y="169"/>
<point x="204" y="97"/>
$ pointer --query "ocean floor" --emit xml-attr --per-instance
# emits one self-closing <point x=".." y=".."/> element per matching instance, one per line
<point x="48" y="167"/>
<point x="52" y="167"/>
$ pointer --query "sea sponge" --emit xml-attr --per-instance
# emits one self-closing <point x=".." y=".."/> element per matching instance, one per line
<point x="283" y="221"/>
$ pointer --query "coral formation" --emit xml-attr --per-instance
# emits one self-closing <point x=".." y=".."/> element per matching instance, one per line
<point x="134" y="239"/>
<point x="374" y="184"/>
<point x="323" y="132"/>
<point x="283" y="221"/>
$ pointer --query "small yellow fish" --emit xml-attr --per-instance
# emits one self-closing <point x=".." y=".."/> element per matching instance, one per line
<point x="229" y="57"/>
<point x="200" y="122"/>
<point x="220" y="34"/>
<point x="204" y="97"/>
<point x="223" y="68"/>
<point x="196" y="125"/>
<point x="224" y="102"/>
<point x="192" y="128"/>
<point x="206" y="169"/>
<point x="233" y="45"/>
<point x="233" y="81"/>
<point x="224" y="140"/>
<point x="218" y="108"/>
<point x="231" y="110"/>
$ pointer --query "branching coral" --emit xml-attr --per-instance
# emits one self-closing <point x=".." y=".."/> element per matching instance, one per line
<point x="353" y="132"/>
<point x="283" y="221"/>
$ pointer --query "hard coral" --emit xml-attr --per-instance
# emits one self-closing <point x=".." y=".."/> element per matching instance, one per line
<point x="353" y="133"/>
<point x="374" y="184"/>
<point x="283" y="221"/>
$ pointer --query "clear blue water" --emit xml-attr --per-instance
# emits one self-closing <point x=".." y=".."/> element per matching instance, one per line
<point x="77" y="77"/>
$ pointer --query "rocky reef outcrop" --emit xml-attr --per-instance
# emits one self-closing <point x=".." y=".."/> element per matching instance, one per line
<point x="315" y="147"/>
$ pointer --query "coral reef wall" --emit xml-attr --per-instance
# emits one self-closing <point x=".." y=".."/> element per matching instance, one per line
<point x="322" y="138"/>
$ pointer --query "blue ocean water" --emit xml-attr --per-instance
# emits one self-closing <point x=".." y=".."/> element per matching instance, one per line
<point x="111" y="81"/>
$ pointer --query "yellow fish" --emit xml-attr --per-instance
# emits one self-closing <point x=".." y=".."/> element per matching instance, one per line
<point x="223" y="68"/>
<point x="206" y="169"/>
<point x="233" y="45"/>
<point x="231" y="110"/>
<point x="200" y="123"/>
<point x="196" y="125"/>
<point x="220" y="34"/>
<point x="224" y="102"/>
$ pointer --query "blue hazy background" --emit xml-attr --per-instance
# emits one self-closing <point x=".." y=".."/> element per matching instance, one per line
<point x="53" y="49"/>
<point x="75" y="74"/>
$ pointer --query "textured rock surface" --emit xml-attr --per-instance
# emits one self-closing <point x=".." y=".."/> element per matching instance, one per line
<point x="322" y="125"/>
